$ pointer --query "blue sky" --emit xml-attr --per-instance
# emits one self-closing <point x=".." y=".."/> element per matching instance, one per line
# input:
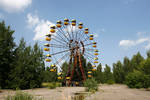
<point x="122" y="27"/>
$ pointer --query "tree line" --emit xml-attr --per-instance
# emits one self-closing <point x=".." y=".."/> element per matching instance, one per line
<point x="22" y="66"/>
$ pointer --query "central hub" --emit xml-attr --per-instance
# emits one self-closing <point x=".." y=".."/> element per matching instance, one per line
<point x="76" y="46"/>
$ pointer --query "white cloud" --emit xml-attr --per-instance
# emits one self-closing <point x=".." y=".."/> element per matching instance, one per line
<point x="40" y="26"/>
<point x="32" y="20"/>
<point x="129" y="43"/>
<point x="142" y="40"/>
<point x="14" y="5"/>
<point x="41" y="29"/>
<point x="126" y="43"/>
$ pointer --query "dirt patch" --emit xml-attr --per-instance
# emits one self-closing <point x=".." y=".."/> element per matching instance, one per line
<point x="119" y="92"/>
<point x="106" y="92"/>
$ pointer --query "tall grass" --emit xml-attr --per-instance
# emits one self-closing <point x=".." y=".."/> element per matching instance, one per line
<point x="51" y="85"/>
<point x="21" y="96"/>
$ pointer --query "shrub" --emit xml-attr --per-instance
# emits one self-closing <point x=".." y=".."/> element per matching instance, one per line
<point x="137" y="79"/>
<point x="110" y="82"/>
<point x="21" y="96"/>
<point x="52" y="85"/>
<point x="91" y="85"/>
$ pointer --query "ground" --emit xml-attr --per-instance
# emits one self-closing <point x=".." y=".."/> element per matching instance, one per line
<point x="106" y="92"/>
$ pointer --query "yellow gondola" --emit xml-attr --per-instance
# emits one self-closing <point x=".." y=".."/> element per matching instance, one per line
<point x="93" y="69"/>
<point x="47" y="45"/>
<point x="48" y="55"/>
<point x="89" y="75"/>
<point x="48" y="35"/>
<point x="77" y="83"/>
<point x="48" y="60"/>
<point x="47" y="38"/>
<point x="53" y="65"/>
<point x="46" y="49"/>
<point x="52" y="70"/>
<point x="95" y="53"/>
<point x="93" y="65"/>
<point x="59" y="78"/>
<point x="52" y="30"/>
<point x="66" y="21"/>
<point x="94" y="46"/>
<point x="94" y="43"/>
<point x="80" y="26"/>
<point x="95" y="61"/>
<point x="91" y="35"/>
<point x="95" y="58"/>
<point x="91" y="38"/>
<point x="59" y="73"/>
<point x="67" y="78"/>
<point x="58" y="24"/>
<point x="73" y="22"/>
<point x="96" y="50"/>
<point x="86" y="31"/>
<point x="89" y="72"/>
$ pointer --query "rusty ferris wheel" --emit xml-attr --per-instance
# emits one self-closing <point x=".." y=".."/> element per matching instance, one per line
<point x="68" y="41"/>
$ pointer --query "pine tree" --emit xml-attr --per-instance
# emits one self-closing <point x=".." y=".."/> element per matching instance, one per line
<point x="6" y="53"/>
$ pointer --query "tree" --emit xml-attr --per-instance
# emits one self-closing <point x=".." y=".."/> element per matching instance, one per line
<point x="6" y="53"/>
<point x="126" y="66"/>
<point x="145" y="66"/>
<point x="118" y="72"/>
<point x="148" y="54"/>
<point x="99" y="77"/>
<point x="136" y="60"/>
<point x="107" y="74"/>
<point x="137" y="79"/>
<point x="28" y="67"/>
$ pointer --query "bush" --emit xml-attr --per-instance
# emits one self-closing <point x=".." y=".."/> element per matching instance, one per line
<point x="137" y="79"/>
<point x="52" y="85"/>
<point x="91" y="85"/>
<point x="110" y="82"/>
<point x="21" y="96"/>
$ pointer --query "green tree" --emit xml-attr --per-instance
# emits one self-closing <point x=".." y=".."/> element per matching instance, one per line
<point x="126" y="66"/>
<point x="148" y="54"/>
<point x="145" y="66"/>
<point x="28" y="67"/>
<point x="137" y="79"/>
<point x="99" y="77"/>
<point x="49" y="76"/>
<point x="6" y="53"/>
<point x="136" y="60"/>
<point x="107" y="74"/>
<point x="118" y="72"/>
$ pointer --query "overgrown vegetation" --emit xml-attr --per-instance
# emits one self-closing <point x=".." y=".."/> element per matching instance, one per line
<point x="91" y="85"/>
<point x="51" y="85"/>
<point x="21" y="96"/>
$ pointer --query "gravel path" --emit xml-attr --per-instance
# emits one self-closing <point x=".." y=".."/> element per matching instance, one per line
<point x="106" y="92"/>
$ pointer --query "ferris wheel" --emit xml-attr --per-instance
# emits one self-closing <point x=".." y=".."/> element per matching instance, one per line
<point x="68" y="42"/>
